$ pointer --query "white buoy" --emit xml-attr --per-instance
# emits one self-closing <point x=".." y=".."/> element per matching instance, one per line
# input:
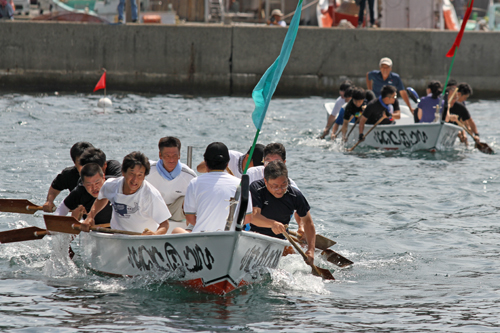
<point x="104" y="103"/>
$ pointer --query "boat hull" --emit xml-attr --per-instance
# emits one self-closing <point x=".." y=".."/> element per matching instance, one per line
<point x="424" y="136"/>
<point x="215" y="262"/>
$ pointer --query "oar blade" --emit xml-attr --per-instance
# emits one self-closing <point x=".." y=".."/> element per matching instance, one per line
<point x="484" y="148"/>
<point x="335" y="258"/>
<point x="22" y="206"/>
<point x="20" y="235"/>
<point x="322" y="272"/>
<point x="63" y="224"/>
<point x="324" y="243"/>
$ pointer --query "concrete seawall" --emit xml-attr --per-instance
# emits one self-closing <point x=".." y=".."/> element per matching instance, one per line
<point x="229" y="60"/>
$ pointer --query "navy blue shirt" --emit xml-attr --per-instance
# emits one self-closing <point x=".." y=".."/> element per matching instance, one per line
<point x="378" y="82"/>
<point x="277" y="209"/>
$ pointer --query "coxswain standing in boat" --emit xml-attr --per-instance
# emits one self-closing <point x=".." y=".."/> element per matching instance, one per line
<point x="238" y="161"/>
<point x="68" y="178"/>
<point x="377" y="79"/>
<point x="274" y="202"/>
<point x="137" y="205"/>
<point x="378" y="108"/>
<point x="171" y="177"/>
<point x="81" y="199"/>
<point x="336" y="108"/>
<point x="353" y="109"/>
<point x="207" y="198"/>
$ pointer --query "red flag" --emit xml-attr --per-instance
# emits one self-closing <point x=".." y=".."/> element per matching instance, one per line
<point x="456" y="45"/>
<point x="102" y="82"/>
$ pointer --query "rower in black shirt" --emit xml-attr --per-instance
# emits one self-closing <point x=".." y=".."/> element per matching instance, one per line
<point x="81" y="199"/>
<point x="274" y="202"/>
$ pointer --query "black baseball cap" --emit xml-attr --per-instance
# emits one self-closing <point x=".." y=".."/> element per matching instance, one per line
<point x="258" y="154"/>
<point x="216" y="152"/>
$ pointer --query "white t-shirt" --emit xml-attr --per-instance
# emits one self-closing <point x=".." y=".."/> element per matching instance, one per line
<point x="208" y="197"/>
<point x="257" y="173"/>
<point x="135" y="212"/>
<point x="338" y="105"/>
<point x="170" y="190"/>
<point x="235" y="160"/>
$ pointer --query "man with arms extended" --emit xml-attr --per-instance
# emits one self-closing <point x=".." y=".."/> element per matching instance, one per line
<point x="376" y="79"/>
<point x="68" y="178"/>
<point x="171" y="177"/>
<point x="238" y="161"/>
<point x="336" y="108"/>
<point x="207" y="197"/>
<point x="378" y="108"/>
<point x="137" y="205"/>
<point x="274" y="202"/>
<point x="81" y="199"/>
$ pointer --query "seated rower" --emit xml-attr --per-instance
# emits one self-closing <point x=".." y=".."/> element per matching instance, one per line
<point x="207" y="197"/>
<point x="336" y="108"/>
<point x="68" y="178"/>
<point x="353" y="109"/>
<point x="238" y="161"/>
<point x="340" y="116"/>
<point x="81" y="199"/>
<point x="464" y="92"/>
<point x="274" y="202"/>
<point x="426" y="112"/>
<point x="95" y="155"/>
<point x="137" y="205"/>
<point x="384" y="106"/>
<point x="171" y="177"/>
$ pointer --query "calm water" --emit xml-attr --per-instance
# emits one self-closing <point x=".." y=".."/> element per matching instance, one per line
<point x="421" y="227"/>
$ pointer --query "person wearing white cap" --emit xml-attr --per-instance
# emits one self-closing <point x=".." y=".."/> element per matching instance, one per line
<point x="275" y="19"/>
<point x="376" y="79"/>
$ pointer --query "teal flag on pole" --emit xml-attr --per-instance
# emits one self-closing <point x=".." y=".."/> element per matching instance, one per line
<point x="264" y="90"/>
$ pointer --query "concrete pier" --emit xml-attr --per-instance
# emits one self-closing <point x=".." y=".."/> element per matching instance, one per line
<point x="229" y="60"/>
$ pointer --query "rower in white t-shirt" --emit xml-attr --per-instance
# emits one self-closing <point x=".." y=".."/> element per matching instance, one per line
<point x="171" y="177"/>
<point x="238" y="161"/>
<point x="137" y="205"/>
<point x="207" y="198"/>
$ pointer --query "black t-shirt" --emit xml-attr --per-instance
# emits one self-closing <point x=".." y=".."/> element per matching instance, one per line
<point x="69" y="178"/>
<point x="113" y="168"/>
<point x="461" y="111"/>
<point x="66" y="180"/>
<point x="279" y="210"/>
<point x="375" y="110"/>
<point x="352" y="110"/>
<point x="80" y="196"/>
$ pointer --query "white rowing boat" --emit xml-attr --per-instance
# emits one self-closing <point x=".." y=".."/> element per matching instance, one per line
<point x="213" y="262"/>
<point x="405" y="134"/>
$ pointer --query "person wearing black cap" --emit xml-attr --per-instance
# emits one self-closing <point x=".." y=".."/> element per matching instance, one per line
<point x="206" y="204"/>
<point x="238" y="161"/>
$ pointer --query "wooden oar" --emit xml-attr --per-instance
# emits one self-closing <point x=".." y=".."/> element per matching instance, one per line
<point x="357" y="121"/>
<point x="70" y="225"/>
<point x="322" y="242"/>
<point x="331" y="256"/>
<point x="22" y="206"/>
<point x="336" y="259"/>
<point x="481" y="146"/>
<point x="371" y="129"/>
<point x="324" y="273"/>
<point x="24" y="234"/>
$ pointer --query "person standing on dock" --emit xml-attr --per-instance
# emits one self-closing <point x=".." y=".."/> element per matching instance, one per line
<point x="171" y="177"/>
<point x="376" y="79"/>
<point x="275" y="201"/>
<point x="133" y="8"/>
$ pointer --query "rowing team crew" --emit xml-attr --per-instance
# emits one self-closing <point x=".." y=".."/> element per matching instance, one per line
<point x="380" y="101"/>
<point x="142" y="196"/>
